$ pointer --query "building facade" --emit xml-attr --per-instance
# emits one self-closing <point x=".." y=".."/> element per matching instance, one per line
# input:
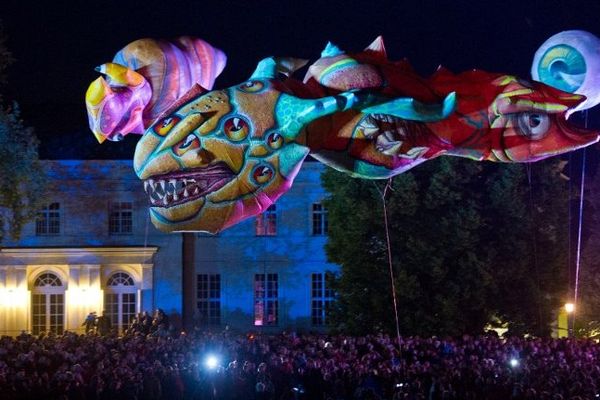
<point x="92" y="248"/>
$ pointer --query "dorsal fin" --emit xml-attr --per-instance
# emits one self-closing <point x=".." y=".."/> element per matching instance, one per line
<point x="331" y="50"/>
<point x="377" y="47"/>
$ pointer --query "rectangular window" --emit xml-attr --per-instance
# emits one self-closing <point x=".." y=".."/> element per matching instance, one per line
<point x="266" y="302"/>
<point x="47" y="312"/>
<point x="128" y="303"/>
<point x="47" y="222"/>
<point x="266" y="223"/>
<point x="322" y="297"/>
<point x="208" y="297"/>
<point x="319" y="219"/>
<point x="120" y="218"/>
<point x="111" y="306"/>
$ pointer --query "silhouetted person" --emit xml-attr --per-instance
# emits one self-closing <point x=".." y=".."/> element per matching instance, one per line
<point x="103" y="324"/>
<point x="90" y="322"/>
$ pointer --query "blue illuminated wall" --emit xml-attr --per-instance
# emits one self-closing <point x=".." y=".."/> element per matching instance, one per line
<point x="85" y="189"/>
<point x="294" y="254"/>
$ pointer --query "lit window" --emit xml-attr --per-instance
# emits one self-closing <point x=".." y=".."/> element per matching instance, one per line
<point x="47" y="279"/>
<point x="47" y="222"/>
<point x="120" y="219"/>
<point x="120" y="300"/>
<point x="266" y="302"/>
<point x="209" y="299"/>
<point x="120" y="278"/>
<point x="322" y="297"/>
<point x="266" y="223"/>
<point x="47" y="304"/>
<point x="320" y="224"/>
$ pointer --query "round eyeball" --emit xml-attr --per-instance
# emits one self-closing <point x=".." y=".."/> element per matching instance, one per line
<point x="275" y="141"/>
<point x="532" y="125"/>
<point x="262" y="174"/>
<point x="163" y="126"/>
<point x="236" y="129"/>
<point x="252" y="86"/>
<point x="570" y="61"/>
<point x="187" y="144"/>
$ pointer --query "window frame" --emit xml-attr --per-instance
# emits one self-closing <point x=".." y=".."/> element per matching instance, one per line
<point x="208" y="298"/>
<point x="322" y="297"/>
<point x="266" y="299"/>
<point x="120" y="218"/>
<point x="48" y="221"/>
<point x="119" y="289"/>
<point x="319" y="219"/>
<point x="48" y="307"/>
<point x="265" y="224"/>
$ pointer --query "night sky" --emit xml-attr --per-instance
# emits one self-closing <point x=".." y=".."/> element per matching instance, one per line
<point x="57" y="44"/>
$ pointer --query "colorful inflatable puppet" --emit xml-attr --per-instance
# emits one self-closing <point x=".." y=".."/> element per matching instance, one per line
<point x="498" y="117"/>
<point x="570" y="61"/>
<point x="144" y="79"/>
<point x="216" y="158"/>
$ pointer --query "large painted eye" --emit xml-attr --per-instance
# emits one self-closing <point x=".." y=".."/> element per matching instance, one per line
<point x="275" y="140"/>
<point x="236" y="129"/>
<point x="262" y="174"/>
<point x="252" y="86"/>
<point x="189" y="143"/>
<point x="163" y="126"/>
<point x="532" y="125"/>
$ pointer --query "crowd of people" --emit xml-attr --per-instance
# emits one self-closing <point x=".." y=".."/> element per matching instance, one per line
<point x="232" y="366"/>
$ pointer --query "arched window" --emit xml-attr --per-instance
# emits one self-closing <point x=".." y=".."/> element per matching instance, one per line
<point x="47" y="279"/>
<point x="48" y="304"/>
<point x="120" y="278"/>
<point x="120" y="300"/>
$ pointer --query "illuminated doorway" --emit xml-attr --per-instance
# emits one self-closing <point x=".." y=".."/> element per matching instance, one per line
<point x="48" y="304"/>
<point x="120" y="300"/>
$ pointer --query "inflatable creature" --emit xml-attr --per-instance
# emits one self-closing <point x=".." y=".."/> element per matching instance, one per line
<point x="570" y="61"/>
<point x="213" y="159"/>
<point x="144" y="79"/>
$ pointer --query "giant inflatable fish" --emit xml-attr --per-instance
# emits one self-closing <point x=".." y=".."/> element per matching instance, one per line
<point x="213" y="159"/>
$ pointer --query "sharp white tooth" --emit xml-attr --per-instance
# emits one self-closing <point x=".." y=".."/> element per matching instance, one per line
<point x="165" y="200"/>
<point x="369" y="123"/>
<point x="146" y="184"/>
<point x="175" y="196"/>
<point x="197" y="190"/>
<point x="392" y="148"/>
<point x="418" y="151"/>
<point x="389" y="135"/>
<point x="383" y="139"/>
<point x="415" y="152"/>
<point x="162" y="184"/>
<point x="152" y="183"/>
<point x="185" y="192"/>
<point x="370" y="132"/>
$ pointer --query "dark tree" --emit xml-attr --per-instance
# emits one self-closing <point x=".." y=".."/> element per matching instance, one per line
<point x="21" y="175"/>
<point x="471" y="243"/>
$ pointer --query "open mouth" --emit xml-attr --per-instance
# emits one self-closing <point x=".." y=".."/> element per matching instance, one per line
<point x="181" y="187"/>
<point x="395" y="136"/>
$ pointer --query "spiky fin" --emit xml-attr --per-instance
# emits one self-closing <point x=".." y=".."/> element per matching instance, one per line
<point x="377" y="47"/>
<point x="331" y="50"/>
